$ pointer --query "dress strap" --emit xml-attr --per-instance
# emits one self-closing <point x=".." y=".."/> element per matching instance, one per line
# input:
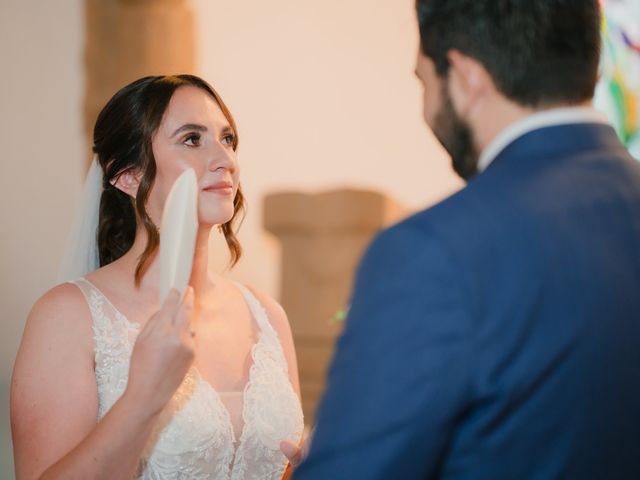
<point x="94" y="298"/>
<point x="103" y="313"/>
<point x="85" y="287"/>
<point x="258" y="311"/>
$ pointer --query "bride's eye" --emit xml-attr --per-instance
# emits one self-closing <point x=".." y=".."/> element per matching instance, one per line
<point x="228" y="139"/>
<point x="192" y="140"/>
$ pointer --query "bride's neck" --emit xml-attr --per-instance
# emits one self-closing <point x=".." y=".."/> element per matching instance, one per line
<point x="150" y="281"/>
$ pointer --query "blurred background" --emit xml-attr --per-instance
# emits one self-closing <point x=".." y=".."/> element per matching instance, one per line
<point x="332" y="143"/>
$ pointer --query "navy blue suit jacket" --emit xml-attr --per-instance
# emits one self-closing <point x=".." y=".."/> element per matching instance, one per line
<point x="496" y="335"/>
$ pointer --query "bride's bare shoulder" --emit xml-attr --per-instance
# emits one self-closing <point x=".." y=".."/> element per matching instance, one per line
<point x="62" y="309"/>
<point x="63" y="298"/>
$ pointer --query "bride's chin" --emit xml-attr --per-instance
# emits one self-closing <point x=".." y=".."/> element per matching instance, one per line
<point x="211" y="219"/>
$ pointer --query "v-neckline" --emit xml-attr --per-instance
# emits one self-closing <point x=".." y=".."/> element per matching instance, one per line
<point x="204" y="382"/>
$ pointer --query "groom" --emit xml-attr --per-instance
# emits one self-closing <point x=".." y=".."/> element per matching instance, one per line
<point x="497" y="334"/>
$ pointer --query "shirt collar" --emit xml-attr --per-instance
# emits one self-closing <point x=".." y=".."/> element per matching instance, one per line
<point x="546" y="118"/>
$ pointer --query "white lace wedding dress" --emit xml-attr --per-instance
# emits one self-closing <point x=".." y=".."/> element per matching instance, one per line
<point x="202" y="434"/>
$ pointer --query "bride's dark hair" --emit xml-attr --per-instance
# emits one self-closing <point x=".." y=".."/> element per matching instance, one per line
<point x="122" y="141"/>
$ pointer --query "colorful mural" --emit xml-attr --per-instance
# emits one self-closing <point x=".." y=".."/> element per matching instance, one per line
<point x="618" y="92"/>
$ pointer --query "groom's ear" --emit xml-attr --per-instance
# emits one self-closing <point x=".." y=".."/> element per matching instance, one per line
<point x="468" y="80"/>
<point x="128" y="182"/>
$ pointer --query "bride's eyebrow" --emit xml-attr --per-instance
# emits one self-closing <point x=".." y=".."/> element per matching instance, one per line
<point x="227" y="130"/>
<point x="189" y="126"/>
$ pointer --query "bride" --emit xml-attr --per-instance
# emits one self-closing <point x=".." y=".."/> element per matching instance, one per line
<point x="110" y="384"/>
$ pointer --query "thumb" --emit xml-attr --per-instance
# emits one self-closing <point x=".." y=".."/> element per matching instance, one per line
<point x="291" y="451"/>
<point x="183" y="316"/>
<point x="169" y="304"/>
<point x="172" y="299"/>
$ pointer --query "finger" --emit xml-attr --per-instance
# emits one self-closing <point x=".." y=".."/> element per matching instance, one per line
<point x="306" y="443"/>
<point x="287" y="472"/>
<point x="291" y="451"/>
<point x="304" y="450"/>
<point x="172" y="298"/>
<point x="170" y="306"/>
<point x="188" y="295"/>
<point x="182" y="318"/>
<point x="164" y="314"/>
<point x="171" y="303"/>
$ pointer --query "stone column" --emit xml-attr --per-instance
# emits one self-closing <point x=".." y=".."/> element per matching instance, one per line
<point x="129" y="39"/>
<point x="323" y="237"/>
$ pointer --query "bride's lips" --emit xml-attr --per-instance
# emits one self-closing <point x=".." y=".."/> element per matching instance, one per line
<point x="222" y="188"/>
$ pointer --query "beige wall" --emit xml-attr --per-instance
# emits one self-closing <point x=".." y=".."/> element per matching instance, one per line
<point x="40" y="161"/>
<point x="323" y="93"/>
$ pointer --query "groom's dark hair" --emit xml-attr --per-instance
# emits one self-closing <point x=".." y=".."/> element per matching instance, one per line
<point x="538" y="52"/>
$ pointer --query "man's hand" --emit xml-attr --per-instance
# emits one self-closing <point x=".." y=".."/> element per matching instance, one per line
<point x="293" y="452"/>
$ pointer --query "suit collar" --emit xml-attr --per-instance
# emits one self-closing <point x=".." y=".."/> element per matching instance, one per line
<point x="535" y="121"/>
<point x="537" y="148"/>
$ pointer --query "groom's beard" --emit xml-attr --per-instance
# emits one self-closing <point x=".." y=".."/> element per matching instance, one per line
<point x="456" y="137"/>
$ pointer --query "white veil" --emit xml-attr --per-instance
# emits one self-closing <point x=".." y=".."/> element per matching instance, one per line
<point x="81" y="251"/>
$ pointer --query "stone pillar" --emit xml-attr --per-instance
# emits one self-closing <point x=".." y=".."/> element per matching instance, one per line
<point x="129" y="39"/>
<point x="323" y="237"/>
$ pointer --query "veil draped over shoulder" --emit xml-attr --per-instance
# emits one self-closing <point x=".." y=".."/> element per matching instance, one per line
<point x="81" y="251"/>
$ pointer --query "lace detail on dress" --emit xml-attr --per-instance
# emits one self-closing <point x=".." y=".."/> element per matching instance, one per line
<point x="194" y="438"/>
<point x="268" y="393"/>
<point x="114" y="337"/>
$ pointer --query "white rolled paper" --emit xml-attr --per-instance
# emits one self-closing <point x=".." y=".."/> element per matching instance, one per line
<point x="178" y="234"/>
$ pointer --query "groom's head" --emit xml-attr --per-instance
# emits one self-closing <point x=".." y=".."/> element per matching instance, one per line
<point x="483" y="61"/>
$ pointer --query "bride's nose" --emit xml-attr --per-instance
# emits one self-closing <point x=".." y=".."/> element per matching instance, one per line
<point x="222" y="158"/>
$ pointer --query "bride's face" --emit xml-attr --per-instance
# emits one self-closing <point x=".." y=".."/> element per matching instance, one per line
<point x="194" y="133"/>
